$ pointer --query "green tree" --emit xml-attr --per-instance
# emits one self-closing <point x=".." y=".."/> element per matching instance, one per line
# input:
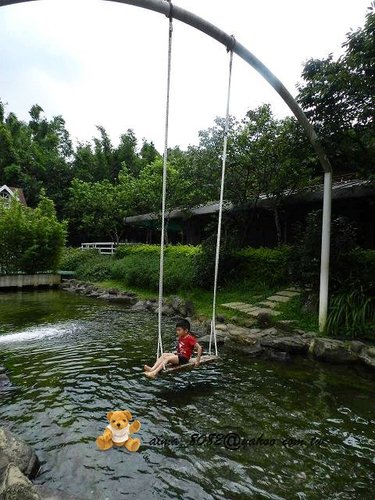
<point x="98" y="208"/>
<point x="31" y="240"/>
<point x="339" y="97"/>
<point x="271" y="160"/>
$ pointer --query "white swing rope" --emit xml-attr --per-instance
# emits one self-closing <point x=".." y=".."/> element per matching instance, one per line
<point x="218" y="240"/>
<point x="159" y="350"/>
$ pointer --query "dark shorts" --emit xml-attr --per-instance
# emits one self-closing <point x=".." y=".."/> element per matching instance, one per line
<point x="182" y="360"/>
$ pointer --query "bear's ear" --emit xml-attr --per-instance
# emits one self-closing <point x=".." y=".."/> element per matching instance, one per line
<point x="127" y="414"/>
<point x="109" y="415"/>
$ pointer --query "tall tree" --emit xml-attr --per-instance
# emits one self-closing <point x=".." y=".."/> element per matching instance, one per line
<point x="339" y="97"/>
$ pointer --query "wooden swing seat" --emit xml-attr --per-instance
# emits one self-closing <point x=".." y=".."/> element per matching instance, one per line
<point x="188" y="366"/>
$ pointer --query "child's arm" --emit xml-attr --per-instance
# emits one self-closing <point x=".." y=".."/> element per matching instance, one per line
<point x="199" y="348"/>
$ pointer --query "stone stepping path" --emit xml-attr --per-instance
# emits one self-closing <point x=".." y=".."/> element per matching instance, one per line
<point x="265" y="306"/>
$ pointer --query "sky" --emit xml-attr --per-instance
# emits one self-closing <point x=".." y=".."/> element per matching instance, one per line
<point x="103" y="63"/>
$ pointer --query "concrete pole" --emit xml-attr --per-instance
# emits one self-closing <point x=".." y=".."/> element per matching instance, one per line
<point x="170" y="10"/>
<point x="325" y="251"/>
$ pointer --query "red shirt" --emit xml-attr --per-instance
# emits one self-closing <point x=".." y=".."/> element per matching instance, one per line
<point x="185" y="345"/>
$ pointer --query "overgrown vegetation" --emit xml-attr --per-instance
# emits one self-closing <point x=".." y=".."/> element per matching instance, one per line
<point x="352" y="314"/>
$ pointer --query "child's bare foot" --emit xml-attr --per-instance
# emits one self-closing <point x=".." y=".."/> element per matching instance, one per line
<point x="147" y="368"/>
<point x="150" y="374"/>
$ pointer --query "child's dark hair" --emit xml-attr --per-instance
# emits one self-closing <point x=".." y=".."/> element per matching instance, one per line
<point x="183" y="323"/>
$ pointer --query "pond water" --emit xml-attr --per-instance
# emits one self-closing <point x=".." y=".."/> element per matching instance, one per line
<point x="71" y="359"/>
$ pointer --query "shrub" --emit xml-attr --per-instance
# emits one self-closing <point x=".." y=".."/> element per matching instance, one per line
<point x="228" y="261"/>
<point x="96" y="269"/>
<point x="73" y="258"/>
<point x="269" y="266"/>
<point x="306" y="254"/>
<point x="140" y="267"/>
<point x="31" y="240"/>
<point x="125" y="250"/>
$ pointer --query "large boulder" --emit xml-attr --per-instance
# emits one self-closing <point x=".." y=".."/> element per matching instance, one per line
<point x="126" y="300"/>
<point x="334" y="351"/>
<point x="205" y="340"/>
<point x="14" y="485"/>
<point x="367" y="357"/>
<point x="181" y="307"/>
<point x="15" y="450"/>
<point x="253" y="350"/>
<point x="294" y="344"/>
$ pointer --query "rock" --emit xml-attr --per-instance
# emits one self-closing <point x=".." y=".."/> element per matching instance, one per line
<point x="141" y="305"/>
<point x="252" y="350"/>
<point x="197" y="329"/>
<point x="248" y="322"/>
<point x="113" y="291"/>
<point x="182" y="307"/>
<point x="16" y="451"/>
<point x="248" y="336"/>
<point x="2" y="369"/>
<point x="307" y="335"/>
<point x="205" y="340"/>
<point x="240" y="330"/>
<point x="121" y="299"/>
<point x="151" y="305"/>
<point x="14" y="485"/>
<point x="332" y="350"/>
<point x="292" y="344"/>
<point x="47" y="493"/>
<point x="286" y="325"/>
<point x="357" y="346"/>
<point x="105" y="296"/>
<point x="4" y="380"/>
<point x="367" y="357"/>
<point x="221" y="327"/>
<point x="166" y="310"/>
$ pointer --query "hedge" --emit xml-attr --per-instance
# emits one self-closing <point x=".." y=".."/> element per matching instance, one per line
<point x="138" y="265"/>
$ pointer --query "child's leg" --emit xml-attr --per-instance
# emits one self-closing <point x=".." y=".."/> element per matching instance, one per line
<point x="168" y="358"/>
<point x="160" y="361"/>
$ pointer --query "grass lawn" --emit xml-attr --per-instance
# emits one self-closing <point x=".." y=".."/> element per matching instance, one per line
<point x="242" y="292"/>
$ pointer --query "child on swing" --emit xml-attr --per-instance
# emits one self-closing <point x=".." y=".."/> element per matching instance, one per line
<point x="186" y="344"/>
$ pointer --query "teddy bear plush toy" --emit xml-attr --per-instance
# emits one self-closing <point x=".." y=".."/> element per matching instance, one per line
<point x="118" y="431"/>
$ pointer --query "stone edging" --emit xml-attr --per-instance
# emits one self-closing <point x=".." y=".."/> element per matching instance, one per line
<point x="279" y="342"/>
<point x="274" y="343"/>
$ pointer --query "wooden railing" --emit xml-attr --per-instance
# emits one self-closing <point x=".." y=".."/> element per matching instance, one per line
<point x="105" y="248"/>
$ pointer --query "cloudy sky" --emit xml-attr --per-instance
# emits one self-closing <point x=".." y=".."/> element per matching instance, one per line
<point x="97" y="62"/>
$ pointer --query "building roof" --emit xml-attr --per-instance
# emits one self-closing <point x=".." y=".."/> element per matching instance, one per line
<point x="14" y="191"/>
<point x="345" y="188"/>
